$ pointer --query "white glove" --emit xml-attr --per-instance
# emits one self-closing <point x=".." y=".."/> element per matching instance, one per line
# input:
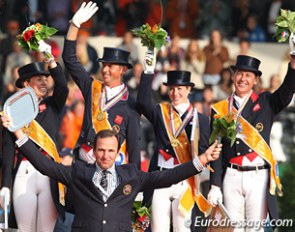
<point x="84" y="13"/>
<point x="292" y="44"/>
<point x="214" y="195"/>
<point x="149" y="62"/>
<point x="4" y="196"/>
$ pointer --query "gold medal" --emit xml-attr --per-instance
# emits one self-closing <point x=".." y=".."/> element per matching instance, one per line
<point x="174" y="142"/>
<point x="100" y="116"/>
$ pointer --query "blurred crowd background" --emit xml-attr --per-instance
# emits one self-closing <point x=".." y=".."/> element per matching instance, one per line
<point x="206" y="25"/>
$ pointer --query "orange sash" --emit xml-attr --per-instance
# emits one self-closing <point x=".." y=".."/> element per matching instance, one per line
<point x="103" y="123"/>
<point x="255" y="141"/>
<point x="183" y="153"/>
<point x="40" y="137"/>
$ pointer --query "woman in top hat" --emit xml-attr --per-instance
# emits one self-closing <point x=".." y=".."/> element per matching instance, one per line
<point x="35" y="197"/>
<point x="172" y="124"/>
<point x="245" y="176"/>
<point x="107" y="103"/>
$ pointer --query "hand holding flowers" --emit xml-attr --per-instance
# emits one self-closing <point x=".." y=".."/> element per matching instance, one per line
<point x="225" y="126"/>
<point x="140" y="215"/>
<point x="32" y="38"/>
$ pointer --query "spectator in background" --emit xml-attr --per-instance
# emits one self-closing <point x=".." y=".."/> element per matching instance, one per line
<point x="274" y="83"/>
<point x="204" y="107"/>
<point x="86" y="53"/>
<point x="18" y="57"/>
<point x="255" y="33"/>
<point x="241" y="11"/>
<point x="107" y="17"/>
<point x="181" y="17"/>
<point x="72" y="123"/>
<point x="30" y="12"/>
<point x="194" y="62"/>
<point x="58" y="14"/>
<point x="176" y="53"/>
<point x="217" y="56"/>
<point x="225" y="85"/>
<point x="10" y="88"/>
<point x="215" y="14"/>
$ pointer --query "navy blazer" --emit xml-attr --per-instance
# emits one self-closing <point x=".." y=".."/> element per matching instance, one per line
<point x="91" y="212"/>
<point x="259" y="111"/>
<point x="50" y="109"/>
<point x="130" y="126"/>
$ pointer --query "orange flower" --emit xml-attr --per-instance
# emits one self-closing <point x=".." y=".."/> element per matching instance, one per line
<point x="155" y="29"/>
<point x="38" y="26"/>
<point x="217" y="116"/>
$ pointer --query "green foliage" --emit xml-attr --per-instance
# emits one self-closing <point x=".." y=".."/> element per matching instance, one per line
<point x="225" y="126"/>
<point x="152" y="37"/>
<point x="284" y="25"/>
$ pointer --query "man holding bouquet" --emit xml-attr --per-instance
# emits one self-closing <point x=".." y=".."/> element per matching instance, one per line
<point x="246" y="176"/>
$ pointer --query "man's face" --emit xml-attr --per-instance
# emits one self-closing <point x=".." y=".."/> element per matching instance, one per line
<point x="178" y="94"/>
<point x="112" y="74"/>
<point x="39" y="84"/>
<point x="106" y="151"/>
<point x="244" y="82"/>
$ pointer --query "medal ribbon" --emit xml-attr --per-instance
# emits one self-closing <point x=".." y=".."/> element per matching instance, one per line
<point x="185" y="121"/>
<point x="104" y="106"/>
<point x="104" y="123"/>
<point x="257" y="143"/>
<point x="239" y="111"/>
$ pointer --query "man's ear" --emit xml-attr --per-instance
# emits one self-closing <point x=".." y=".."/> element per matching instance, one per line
<point x="26" y="84"/>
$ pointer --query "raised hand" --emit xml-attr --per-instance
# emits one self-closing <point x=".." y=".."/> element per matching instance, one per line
<point x="149" y="62"/>
<point x="85" y="12"/>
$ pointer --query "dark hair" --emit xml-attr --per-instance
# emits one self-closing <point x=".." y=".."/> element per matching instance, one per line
<point x="106" y="134"/>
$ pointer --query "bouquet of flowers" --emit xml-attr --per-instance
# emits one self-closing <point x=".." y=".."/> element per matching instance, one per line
<point x="140" y="215"/>
<point x="152" y="37"/>
<point x="33" y="35"/>
<point x="284" y="25"/>
<point x="225" y="126"/>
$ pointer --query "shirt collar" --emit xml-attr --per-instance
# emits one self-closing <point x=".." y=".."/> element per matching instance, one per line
<point x="181" y="108"/>
<point x="110" y="170"/>
<point x="112" y="92"/>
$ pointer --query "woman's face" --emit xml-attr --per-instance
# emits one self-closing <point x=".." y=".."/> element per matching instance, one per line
<point x="178" y="94"/>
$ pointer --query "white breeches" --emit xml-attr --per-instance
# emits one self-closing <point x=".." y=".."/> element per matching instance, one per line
<point x="245" y="197"/>
<point x="164" y="205"/>
<point x="33" y="204"/>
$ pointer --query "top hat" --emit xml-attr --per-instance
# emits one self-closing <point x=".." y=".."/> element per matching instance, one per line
<point x="247" y="63"/>
<point x="116" y="56"/>
<point x="179" y="78"/>
<point x="30" y="70"/>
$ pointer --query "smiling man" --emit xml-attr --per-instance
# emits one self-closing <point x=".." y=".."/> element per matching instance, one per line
<point x="102" y="190"/>
<point x="245" y="175"/>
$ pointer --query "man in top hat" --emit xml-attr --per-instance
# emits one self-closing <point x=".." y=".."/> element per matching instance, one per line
<point x="246" y="175"/>
<point x="173" y="128"/>
<point x="36" y="198"/>
<point x="107" y="104"/>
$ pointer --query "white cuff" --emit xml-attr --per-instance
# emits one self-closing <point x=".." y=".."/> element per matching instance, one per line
<point x="197" y="163"/>
<point x="148" y="72"/>
<point x="21" y="141"/>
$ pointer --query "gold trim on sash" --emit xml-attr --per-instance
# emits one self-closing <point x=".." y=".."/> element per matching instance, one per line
<point x="256" y="142"/>
<point x="40" y="137"/>
<point x="99" y="122"/>
<point x="183" y="153"/>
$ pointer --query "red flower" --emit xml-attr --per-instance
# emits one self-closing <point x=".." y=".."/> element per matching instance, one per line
<point x="29" y="35"/>
<point x="142" y="218"/>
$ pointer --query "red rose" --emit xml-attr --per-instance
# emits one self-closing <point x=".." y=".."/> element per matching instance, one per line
<point x="142" y="218"/>
<point x="29" y="35"/>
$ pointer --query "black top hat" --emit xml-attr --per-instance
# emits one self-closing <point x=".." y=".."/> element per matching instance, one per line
<point x="179" y="78"/>
<point x="30" y="70"/>
<point x="247" y="63"/>
<point x="116" y="56"/>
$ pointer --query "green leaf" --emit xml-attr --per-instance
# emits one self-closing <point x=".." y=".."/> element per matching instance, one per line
<point x="282" y="24"/>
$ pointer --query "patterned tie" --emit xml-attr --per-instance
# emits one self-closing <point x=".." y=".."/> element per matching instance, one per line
<point x="104" y="180"/>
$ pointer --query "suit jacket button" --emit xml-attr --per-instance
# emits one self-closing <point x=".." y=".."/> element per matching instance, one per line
<point x="104" y="222"/>
<point x="238" y="153"/>
<point x="250" y="150"/>
<point x="167" y="150"/>
<point x="105" y="205"/>
<point x="238" y="142"/>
